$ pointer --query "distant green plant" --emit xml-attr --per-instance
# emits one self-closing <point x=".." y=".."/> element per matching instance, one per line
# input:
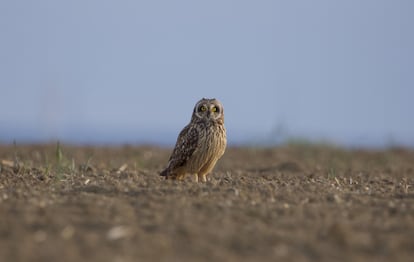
<point x="63" y="166"/>
<point x="16" y="158"/>
<point x="298" y="141"/>
<point x="332" y="173"/>
<point x="59" y="154"/>
<point x="15" y="150"/>
<point x="304" y="142"/>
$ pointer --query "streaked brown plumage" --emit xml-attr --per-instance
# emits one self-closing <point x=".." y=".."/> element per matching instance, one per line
<point x="200" y="144"/>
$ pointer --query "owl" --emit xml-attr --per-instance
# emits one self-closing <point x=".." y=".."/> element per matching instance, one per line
<point x="200" y="144"/>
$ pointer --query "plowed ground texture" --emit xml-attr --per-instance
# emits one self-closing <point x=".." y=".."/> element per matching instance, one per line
<point x="288" y="203"/>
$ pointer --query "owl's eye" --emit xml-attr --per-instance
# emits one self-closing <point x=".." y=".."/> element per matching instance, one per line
<point x="214" y="109"/>
<point x="203" y="108"/>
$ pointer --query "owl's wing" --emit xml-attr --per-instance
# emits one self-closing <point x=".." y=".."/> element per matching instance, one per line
<point x="185" y="146"/>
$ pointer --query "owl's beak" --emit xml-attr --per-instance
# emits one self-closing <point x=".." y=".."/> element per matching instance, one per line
<point x="208" y="113"/>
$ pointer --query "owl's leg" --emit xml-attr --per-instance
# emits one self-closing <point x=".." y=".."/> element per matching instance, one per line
<point x="196" y="177"/>
<point x="202" y="177"/>
<point x="206" y="169"/>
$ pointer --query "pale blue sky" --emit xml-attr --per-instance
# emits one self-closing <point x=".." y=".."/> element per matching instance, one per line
<point x="130" y="71"/>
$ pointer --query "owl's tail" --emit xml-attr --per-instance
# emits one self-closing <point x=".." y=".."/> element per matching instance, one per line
<point x="164" y="173"/>
<point x="168" y="174"/>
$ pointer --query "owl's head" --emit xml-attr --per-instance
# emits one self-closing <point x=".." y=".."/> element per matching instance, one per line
<point x="209" y="110"/>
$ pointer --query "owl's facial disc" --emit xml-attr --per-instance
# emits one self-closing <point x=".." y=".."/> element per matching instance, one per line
<point x="210" y="109"/>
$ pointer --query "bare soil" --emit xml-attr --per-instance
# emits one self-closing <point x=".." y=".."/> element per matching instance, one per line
<point x="290" y="203"/>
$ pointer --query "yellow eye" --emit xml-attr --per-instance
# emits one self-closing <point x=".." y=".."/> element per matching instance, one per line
<point x="214" y="109"/>
<point x="203" y="108"/>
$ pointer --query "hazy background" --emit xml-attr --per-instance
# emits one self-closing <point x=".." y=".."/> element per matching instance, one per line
<point x="131" y="71"/>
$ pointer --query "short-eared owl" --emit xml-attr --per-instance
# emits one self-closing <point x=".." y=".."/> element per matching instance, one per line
<point x="200" y="144"/>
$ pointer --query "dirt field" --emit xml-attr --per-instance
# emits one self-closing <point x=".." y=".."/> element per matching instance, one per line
<point x="291" y="203"/>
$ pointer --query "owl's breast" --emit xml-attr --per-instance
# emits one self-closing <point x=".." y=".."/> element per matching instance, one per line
<point x="211" y="146"/>
<point x="213" y="141"/>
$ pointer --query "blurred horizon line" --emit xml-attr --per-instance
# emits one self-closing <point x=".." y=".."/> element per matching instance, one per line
<point x="167" y="138"/>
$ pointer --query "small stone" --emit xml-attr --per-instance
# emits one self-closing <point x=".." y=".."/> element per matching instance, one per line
<point x="118" y="232"/>
<point x="68" y="232"/>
